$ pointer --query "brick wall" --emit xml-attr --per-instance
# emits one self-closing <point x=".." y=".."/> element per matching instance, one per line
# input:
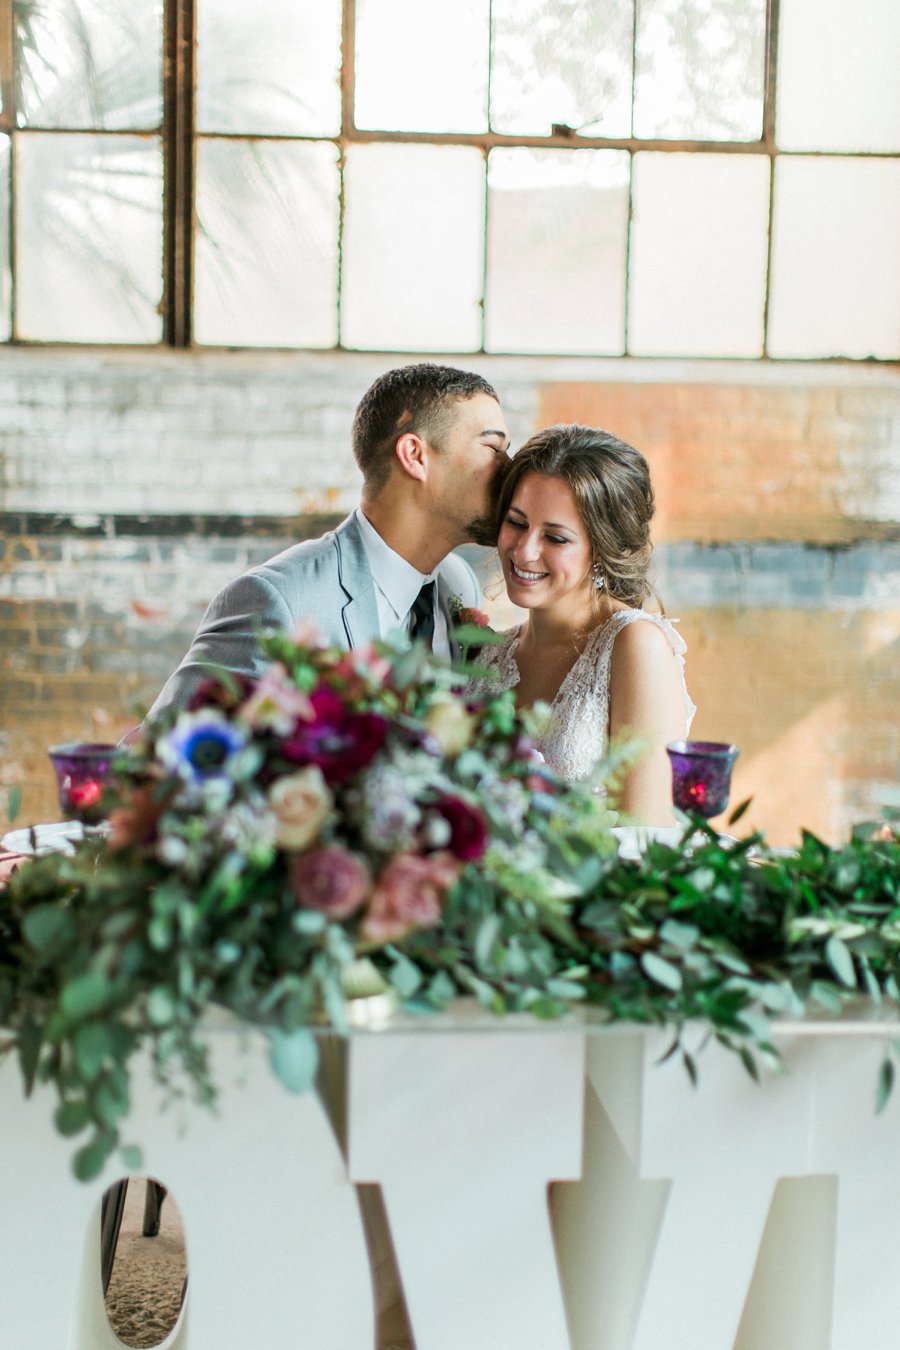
<point x="132" y="485"/>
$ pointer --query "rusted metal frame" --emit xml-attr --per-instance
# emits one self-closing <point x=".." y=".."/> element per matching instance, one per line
<point x="7" y="56"/>
<point x="486" y="210"/>
<point x="494" y="139"/>
<point x="773" y="9"/>
<point x="626" y="299"/>
<point x="7" y="124"/>
<point x="179" y="68"/>
<point x="348" y="116"/>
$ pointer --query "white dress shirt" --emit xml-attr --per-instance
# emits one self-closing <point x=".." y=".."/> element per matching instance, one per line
<point x="397" y="584"/>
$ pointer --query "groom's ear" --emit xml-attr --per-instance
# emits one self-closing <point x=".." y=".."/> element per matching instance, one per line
<point x="412" y="454"/>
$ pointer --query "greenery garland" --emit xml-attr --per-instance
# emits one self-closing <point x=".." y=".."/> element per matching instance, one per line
<point x="364" y="771"/>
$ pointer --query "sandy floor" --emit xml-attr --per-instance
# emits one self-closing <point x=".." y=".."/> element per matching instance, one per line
<point x="144" y="1292"/>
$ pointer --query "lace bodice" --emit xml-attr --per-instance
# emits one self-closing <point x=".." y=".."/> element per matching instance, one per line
<point x="578" y="731"/>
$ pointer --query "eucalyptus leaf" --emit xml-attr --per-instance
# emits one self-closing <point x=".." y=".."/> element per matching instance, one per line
<point x="294" y="1057"/>
<point x="13" y="803"/>
<point x="92" y="1044"/>
<point x="90" y="1160"/>
<point x="841" y="961"/>
<point x="87" y="994"/>
<point x="661" y="971"/>
<point x="71" y="1117"/>
<point x="682" y="935"/>
<point x="48" y="929"/>
<point x="161" y="1006"/>
<point x="486" y="939"/>
<point x="885" y="1084"/>
<point x="405" y="976"/>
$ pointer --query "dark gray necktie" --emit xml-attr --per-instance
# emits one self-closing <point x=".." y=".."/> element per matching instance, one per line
<point x="421" y="616"/>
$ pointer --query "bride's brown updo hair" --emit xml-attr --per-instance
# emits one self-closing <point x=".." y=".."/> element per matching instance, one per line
<point x="610" y="482"/>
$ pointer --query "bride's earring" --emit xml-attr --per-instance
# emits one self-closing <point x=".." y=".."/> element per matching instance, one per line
<point x="598" y="578"/>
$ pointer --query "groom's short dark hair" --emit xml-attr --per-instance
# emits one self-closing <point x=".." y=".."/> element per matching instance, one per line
<point x="411" y="398"/>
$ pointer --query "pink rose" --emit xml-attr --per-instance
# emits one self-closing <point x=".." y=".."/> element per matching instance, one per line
<point x="409" y="894"/>
<point x="330" y="880"/>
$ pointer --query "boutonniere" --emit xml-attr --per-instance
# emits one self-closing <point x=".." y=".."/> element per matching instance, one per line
<point x="470" y="627"/>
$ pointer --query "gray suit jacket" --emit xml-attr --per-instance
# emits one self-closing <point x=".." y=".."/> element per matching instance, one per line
<point x="324" y="580"/>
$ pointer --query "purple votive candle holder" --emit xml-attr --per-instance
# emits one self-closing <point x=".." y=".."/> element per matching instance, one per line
<point x="83" y="775"/>
<point x="701" y="775"/>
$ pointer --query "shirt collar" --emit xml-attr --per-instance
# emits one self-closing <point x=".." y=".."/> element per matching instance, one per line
<point x="397" y="579"/>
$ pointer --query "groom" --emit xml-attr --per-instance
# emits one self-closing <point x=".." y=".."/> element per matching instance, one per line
<point x="431" y="443"/>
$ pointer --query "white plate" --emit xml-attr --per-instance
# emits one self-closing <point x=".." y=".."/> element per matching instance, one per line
<point x="39" y="839"/>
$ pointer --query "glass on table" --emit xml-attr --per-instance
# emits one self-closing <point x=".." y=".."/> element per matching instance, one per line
<point x="701" y="776"/>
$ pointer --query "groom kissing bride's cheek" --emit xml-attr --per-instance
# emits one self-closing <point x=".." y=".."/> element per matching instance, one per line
<point x="431" y="444"/>
<point x="570" y="518"/>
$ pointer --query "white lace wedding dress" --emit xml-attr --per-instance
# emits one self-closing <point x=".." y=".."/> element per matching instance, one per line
<point x="577" y="734"/>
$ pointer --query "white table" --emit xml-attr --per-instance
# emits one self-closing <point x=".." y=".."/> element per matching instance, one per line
<point x="762" y="1218"/>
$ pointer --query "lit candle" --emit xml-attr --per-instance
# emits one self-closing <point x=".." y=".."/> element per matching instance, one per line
<point x="701" y="775"/>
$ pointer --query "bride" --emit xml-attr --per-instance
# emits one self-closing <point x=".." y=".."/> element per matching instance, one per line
<point x="574" y="544"/>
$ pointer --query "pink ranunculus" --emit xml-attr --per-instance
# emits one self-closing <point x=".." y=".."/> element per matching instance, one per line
<point x="276" y="702"/>
<point x="331" y="880"/>
<point x="339" y="741"/>
<point x="409" y="894"/>
<point x="468" y="830"/>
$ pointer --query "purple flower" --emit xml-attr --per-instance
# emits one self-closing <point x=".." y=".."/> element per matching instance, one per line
<point x="201" y="746"/>
<point x="336" y="740"/>
<point x="468" y="831"/>
<point x="330" y="880"/>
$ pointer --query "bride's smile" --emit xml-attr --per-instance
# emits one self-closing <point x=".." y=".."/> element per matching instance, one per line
<point x="545" y="552"/>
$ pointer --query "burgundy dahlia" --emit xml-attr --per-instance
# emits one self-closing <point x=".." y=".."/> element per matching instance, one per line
<point x="468" y="831"/>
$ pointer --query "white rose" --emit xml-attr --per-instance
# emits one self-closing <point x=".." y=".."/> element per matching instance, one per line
<point x="301" y="803"/>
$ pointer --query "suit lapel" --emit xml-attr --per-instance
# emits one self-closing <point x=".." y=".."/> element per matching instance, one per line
<point x="360" y="607"/>
<point x="445" y="598"/>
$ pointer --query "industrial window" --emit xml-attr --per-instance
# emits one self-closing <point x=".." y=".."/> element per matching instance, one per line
<point x="687" y="178"/>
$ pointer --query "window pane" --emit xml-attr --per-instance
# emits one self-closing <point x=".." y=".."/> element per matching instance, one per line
<point x="700" y="69"/>
<point x="266" y="252"/>
<point x="561" y="61"/>
<point x="838" y="85"/>
<point x="698" y="255"/>
<point x="271" y="69"/>
<point x="413" y="248"/>
<point x="5" y="315"/>
<point x="557" y="232"/>
<point x="835" y="287"/>
<point x="422" y="65"/>
<point x="89" y="63"/>
<point x="88" y="238"/>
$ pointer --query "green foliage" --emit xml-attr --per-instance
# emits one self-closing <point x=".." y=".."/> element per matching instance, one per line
<point x="190" y="905"/>
<point x="730" y="934"/>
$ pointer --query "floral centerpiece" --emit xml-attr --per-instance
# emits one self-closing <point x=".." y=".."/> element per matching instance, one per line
<point x="352" y="826"/>
<point x="348" y="825"/>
